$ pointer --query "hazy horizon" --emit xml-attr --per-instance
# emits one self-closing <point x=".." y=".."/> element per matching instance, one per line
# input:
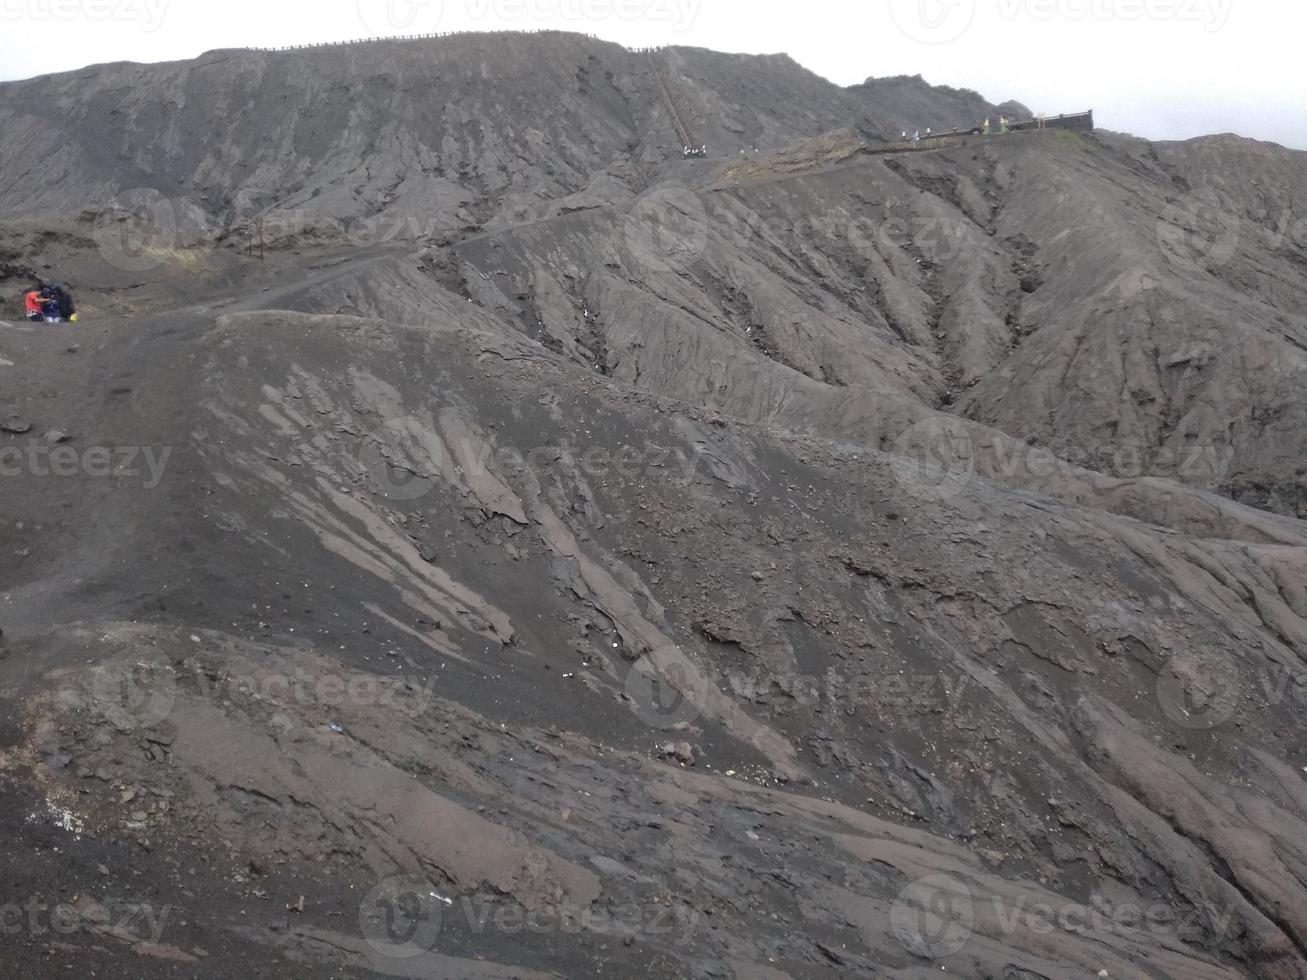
<point x="1155" y="68"/>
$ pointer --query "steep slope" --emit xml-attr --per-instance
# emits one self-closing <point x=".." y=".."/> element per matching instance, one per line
<point x="851" y="300"/>
<point x="437" y="133"/>
<point x="490" y="533"/>
<point x="651" y="567"/>
<point x="1169" y="326"/>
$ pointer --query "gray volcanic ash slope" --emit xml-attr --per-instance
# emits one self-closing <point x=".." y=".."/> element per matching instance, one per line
<point x="821" y="560"/>
<point x="444" y="128"/>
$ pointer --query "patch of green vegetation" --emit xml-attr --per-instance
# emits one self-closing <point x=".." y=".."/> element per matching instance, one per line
<point x="187" y="258"/>
<point x="1069" y="138"/>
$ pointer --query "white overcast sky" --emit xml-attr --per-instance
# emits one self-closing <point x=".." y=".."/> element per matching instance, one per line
<point x="1165" y="69"/>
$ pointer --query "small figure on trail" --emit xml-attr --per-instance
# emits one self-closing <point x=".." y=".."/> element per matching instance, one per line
<point x="34" y="301"/>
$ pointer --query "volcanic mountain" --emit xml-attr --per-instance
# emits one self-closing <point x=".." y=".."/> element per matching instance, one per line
<point x="466" y="536"/>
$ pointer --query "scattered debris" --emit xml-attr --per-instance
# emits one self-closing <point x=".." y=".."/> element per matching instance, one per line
<point x="683" y="752"/>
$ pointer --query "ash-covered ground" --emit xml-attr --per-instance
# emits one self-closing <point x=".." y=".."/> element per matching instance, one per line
<point x="557" y="557"/>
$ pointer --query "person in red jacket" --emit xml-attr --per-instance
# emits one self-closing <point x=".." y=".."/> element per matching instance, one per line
<point x="35" y="301"/>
